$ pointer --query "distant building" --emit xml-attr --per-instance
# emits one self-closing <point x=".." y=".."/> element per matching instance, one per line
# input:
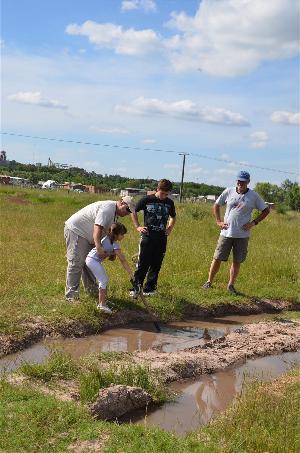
<point x="3" y="160"/>
<point x="211" y="198"/>
<point x="50" y="184"/>
<point x="132" y="191"/>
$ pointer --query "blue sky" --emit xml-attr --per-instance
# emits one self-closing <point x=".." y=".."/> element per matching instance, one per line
<point x="217" y="78"/>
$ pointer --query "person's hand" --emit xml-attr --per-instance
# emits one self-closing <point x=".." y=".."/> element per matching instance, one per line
<point x="168" y="231"/>
<point x="102" y="253"/>
<point x="142" y="229"/>
<point x="222" y="225"/>
<point x="248" y="226"/>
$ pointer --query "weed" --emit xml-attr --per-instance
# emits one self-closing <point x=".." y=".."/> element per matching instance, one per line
<point x="59" y="366"/>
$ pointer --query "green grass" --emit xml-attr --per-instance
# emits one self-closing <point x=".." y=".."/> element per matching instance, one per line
<point x="265" y="418"/>
<point x="92" y="375"/>
<point x="58" y="366"/>
<point x="33" y="251"/>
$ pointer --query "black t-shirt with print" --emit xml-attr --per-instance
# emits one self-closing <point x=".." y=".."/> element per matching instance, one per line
<point x="156" y="212"/>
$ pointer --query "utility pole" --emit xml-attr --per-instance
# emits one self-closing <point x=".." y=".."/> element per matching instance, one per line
<point x="182" y="175"/>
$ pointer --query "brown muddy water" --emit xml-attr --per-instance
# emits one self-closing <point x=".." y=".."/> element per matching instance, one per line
<point x="197" y="401"/>
<point x="173" y="337"/>
<point x="202" y="399"/>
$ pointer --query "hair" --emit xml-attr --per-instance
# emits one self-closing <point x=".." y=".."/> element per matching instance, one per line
<point x="165" y="185"/>
<point x="115" y="229"/>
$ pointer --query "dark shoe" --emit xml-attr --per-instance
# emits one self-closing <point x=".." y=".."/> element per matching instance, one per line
<point x="207" y="285"/>
<point x="232" y="290"/>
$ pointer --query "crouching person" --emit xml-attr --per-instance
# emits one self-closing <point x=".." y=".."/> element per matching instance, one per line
<point x="111" y="249"/>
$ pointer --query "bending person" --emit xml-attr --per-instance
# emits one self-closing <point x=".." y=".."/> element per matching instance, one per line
<point x="84" y="231"/>
<point x="94" y="261"/>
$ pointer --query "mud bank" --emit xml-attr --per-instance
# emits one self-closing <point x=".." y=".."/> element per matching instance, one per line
<point x="37" y="329"/>
<point x="249" y="341"/>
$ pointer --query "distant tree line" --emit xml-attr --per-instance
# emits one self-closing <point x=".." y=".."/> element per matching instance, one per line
<point x="288" y="194"/>
<point x="104" y="182"/>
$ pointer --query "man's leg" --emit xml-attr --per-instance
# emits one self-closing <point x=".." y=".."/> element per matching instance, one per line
<point x="234" y="271"/>
<point x="214" y="269"/>
<point x="157" y="256"/>
<point x="75" y="264"/>
<point x="222" y="252"/>
<point x="143" y="263"/>
<point x="240" y="250"/>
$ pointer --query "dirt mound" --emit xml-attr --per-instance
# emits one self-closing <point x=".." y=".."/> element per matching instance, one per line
<point x="118" y="400"/>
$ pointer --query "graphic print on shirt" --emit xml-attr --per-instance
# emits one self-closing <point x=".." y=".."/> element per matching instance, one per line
<point x="157" y="216"/>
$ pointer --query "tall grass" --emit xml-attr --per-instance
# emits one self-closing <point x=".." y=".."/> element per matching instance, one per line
<point x="32" y="273"/>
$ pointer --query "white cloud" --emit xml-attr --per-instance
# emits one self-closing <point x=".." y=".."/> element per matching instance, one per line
<point x="146" y="5"/>
<point x="112" y="130"/>
<point x="109" y="36"/>
<point x="184" y="109"/>
<point x="232" y="37"/>
<point x="35" y="98"/>
<point x="259" y="139"/>
<point x="193" y="169"/>
<point x="148" y="141"/>
<point x="286" y="117"/>
<point x="224" y="38"/>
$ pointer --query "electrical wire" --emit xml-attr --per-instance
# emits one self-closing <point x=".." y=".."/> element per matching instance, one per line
<point x="202" y="156"/>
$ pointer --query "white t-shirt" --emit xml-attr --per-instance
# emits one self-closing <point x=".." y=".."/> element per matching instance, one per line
<point x="107" y="246"/>
<point x="101" y="213"/>
<point x="239" y="207"/>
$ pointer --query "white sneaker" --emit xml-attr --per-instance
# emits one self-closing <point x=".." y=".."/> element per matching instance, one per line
<point x="148" y="293"/>
<point x="104" y="309"/>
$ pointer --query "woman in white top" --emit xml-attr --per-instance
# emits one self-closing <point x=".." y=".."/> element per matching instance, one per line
<point x="111" y="249"/>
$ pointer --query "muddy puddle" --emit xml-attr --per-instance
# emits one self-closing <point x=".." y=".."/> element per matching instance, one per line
<point x="202" y="399"/>
<point x="173" y="337"/>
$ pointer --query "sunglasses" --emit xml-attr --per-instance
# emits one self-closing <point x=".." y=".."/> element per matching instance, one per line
<point x="127" y="209"/>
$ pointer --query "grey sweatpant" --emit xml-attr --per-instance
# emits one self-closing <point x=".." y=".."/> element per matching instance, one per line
<point x="77" y="250"/>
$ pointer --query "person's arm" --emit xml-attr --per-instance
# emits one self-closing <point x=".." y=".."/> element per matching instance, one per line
<point x="97" y="235"/>
<point x="258" y="219"/>
<point x="217" y="214"/>
<point x="124" y="262"/>
<point x="138" y="227"/>
<point x="171" y="225"/>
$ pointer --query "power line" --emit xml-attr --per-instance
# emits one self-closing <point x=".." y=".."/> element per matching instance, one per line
<point x="156" y="150"/>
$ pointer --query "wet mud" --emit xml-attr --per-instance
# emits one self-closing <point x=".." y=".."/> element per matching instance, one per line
<point x="37" y="329"/>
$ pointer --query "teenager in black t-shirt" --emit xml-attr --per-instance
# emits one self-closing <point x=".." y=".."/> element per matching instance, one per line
<point x="158" y="208"/>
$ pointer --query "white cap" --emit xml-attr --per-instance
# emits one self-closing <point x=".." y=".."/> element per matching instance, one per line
<point x="129" y="201"/>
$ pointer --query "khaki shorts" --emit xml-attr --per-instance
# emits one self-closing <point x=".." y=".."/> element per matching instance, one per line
<point x="239" y="248"/>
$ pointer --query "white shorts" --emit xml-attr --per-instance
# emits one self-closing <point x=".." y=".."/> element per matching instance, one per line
<point x="98" y="271"/>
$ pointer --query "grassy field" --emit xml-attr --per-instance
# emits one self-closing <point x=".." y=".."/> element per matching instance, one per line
<point x="265" y="418"/>
<point x="33" y="263"/>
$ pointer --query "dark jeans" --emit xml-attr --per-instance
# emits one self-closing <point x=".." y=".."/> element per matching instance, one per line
<point x="151" y="254"/>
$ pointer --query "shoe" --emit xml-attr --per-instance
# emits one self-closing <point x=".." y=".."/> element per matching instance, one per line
<point x="134" y="292"/>
<point x="104" y="309"/>
<point x="148" y="293"/>
<point x="232" y="290"/>
<point x="207" y="285"/>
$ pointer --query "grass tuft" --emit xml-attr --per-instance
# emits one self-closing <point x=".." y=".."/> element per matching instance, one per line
<point x="59" y="366"/>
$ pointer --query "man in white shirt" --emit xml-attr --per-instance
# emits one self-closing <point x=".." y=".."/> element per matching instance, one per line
<point x="84" y="231"/>
<point x="235" y="229"/>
